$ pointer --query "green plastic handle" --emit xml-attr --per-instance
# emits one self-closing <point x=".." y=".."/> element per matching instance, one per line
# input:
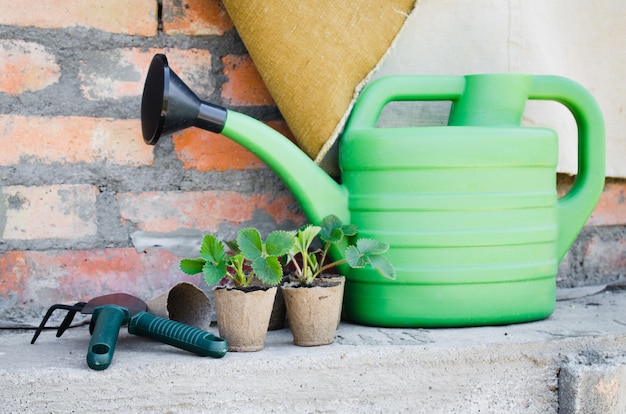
<point x="108" y="320"/>
<point x="577" y="205"/>
<point x="382" y="91"/>
<point x="178" y="334"/>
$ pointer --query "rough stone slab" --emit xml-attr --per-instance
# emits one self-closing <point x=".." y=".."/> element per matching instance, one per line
<point x="593" y="383"/>
<point x="513" y="369"/>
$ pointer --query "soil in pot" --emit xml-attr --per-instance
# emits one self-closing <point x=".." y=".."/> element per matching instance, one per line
<point x="243" y="316"/>
<point x="313" y="311"/>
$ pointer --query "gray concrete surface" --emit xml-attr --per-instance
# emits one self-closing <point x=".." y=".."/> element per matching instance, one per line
<point x="572" y="361"/>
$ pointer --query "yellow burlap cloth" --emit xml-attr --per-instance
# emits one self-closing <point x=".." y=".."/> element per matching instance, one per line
<point x="314" y="56"/>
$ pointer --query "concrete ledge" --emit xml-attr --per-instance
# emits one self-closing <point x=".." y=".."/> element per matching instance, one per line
<point x="593" y="383"/>
<point x="527" y="368"/>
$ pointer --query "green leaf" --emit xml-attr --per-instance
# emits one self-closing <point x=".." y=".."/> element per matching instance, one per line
<point x="250" y="244"/>
<point x="371" y="247"/>
<point x="212" y="250"/>
<point x="232" y="245"/>
<point x="383" y="266"/>
<point x="349" y="230"/>
<point x="279" y="243"/>
<point x="304" y="238"/>
<point x="331" y="229"/>
<point x="214" y="273"/>
<point x="268" y="270"/>
<point x="313" y="261"/>
<point x="355" y="258"/>
<point x="369" y="252"/>
<point x="192" y="266"/>
<point x="237" y="274"/>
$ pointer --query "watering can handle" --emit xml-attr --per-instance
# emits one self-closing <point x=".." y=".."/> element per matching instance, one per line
<point x="576" y="206"/>
<point x="388" y="89"/>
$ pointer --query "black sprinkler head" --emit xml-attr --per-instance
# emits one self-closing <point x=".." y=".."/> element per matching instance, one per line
<point x="168" y="105"/>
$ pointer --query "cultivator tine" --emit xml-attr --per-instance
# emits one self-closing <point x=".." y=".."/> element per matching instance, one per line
<point x="72" y="309"/>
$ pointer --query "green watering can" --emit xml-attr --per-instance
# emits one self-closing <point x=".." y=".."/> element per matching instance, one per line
<point x="470" y="210"/>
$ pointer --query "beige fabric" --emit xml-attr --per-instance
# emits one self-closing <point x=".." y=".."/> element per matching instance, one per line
<point x="313" y="55"/>
<point x="578" y="39"/>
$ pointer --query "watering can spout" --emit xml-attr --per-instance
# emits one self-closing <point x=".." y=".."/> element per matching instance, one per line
<point x="168" y="106"/>
<point x="317" y="193"/>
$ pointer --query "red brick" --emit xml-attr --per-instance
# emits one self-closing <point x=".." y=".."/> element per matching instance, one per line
<point x="119" y="73"/>
<point x="137" y="17"/>
<point x="195" y="17"/>
<point x="206" y="151"/>
<point x="62" y="276"/>
<point x="49" y="212"/>
<point x="611" y="209"/>
<point x="26" y="67"/>
<point x="68" y="140"/>
<point x="244" y="86"/>
<point x="165" y="212"/>
<point x="603" y="255"/>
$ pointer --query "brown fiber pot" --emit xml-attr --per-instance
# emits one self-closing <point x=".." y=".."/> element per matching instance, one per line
<point x="277" y="320"/>
<point x="313" y="312"/>
<point x="243" y="316"/>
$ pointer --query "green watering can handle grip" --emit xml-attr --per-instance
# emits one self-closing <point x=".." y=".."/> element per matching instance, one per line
<point x="577" y="205"/>
<point x="177" y="334"/>
<point x="109" y="319"/>
<point x="388" y="89"/>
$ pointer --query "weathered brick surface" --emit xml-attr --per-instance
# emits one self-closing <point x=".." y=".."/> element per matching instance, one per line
<point x="119" y="73"/>
<point x="38" y="279"/>
<point x="611" y="209"/>
<point x="206" y="151"/>
<point x="56" y="211"/>
<point x="244" y="85"/>
<point x="164" y="212"/>
<point x="195" y="18"/>
<point x="137" y="17"/>
<point x="67" y="140"/>
<point x="597" y="257"/>
<point x="606" y="254"/>
<point x="26" y="67"/>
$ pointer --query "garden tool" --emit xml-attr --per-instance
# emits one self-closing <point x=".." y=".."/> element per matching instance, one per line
<point x="470" y="210"/>
<point x="112" y="311"/>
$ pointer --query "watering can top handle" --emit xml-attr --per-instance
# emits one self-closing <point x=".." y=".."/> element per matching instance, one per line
<point x="377" y="94"/>
<point x="576" y="206"/>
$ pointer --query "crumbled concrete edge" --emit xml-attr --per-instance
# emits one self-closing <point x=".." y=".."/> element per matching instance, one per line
<point x="593" y="382"/>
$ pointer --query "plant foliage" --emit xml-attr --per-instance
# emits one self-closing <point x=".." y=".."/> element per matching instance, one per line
<point x="250" y="257"/>
<point x="365" y="252"/>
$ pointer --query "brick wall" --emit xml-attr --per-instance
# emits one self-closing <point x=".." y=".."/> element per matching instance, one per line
<point x="86" y="208"/>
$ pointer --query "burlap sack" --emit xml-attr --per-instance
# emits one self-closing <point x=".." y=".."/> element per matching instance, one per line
<point x="314" y="55"/>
